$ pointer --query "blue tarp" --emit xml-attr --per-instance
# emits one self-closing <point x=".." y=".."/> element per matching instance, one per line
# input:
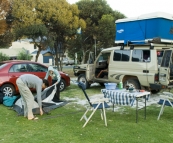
<point x="141" y="30"/>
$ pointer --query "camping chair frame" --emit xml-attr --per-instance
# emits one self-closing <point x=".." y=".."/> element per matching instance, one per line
<point x="94" y="105"/>
<point x="166" y="101"/>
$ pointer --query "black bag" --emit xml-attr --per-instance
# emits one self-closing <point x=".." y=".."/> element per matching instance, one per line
<point x="1" y="97"/>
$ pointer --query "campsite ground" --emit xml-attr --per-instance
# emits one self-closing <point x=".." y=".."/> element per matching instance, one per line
<point x="63" y="124"/>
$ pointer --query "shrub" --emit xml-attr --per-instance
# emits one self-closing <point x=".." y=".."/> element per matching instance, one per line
<point x="4" y="57"/>
<point x="24" y="56"/>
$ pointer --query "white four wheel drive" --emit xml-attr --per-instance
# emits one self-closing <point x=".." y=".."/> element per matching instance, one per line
<point x="146" y="66"/>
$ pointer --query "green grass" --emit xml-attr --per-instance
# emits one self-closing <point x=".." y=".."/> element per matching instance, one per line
<point x="63" y="125"/>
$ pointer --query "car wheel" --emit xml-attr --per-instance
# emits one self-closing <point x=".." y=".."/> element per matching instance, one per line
<point x="8" y="89"/>
<point x="83" y="79"/>
<point x="102" y="84"/>
<point x="133" y="83"/>
<point x="155" y="91"/>
<point x="62" y="85"/>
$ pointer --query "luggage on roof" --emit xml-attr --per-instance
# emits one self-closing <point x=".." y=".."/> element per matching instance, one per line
<point x="145" y="27"/>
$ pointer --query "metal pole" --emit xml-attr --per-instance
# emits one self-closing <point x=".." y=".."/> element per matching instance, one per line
<point x="95" y="48"/>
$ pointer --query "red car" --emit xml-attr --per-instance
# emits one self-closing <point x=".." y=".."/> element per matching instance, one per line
<point x="11" y="70"/>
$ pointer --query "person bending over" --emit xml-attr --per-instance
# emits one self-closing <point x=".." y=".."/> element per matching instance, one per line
<point x="26" y="81"/>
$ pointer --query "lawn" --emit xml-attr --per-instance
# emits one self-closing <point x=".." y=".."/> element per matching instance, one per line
<point x="63" y="124"/>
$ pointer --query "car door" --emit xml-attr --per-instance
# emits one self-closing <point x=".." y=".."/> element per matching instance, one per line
<point x="16" y="70"/>
<point x="90" y="72"/>
<point x="37" y="70"/>
<point x="164" y="71"/>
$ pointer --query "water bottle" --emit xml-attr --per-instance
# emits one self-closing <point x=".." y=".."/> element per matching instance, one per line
<point x="121" y="85"/>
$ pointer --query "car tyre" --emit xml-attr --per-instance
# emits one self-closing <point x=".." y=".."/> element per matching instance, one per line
<point x="155" y="91"/>
<point x="62" y="85"/>
<point x="133" y="83"/>
<point x="82" y="78"/>
<point x="8" y="89"/>
<point x="101" y="83"/>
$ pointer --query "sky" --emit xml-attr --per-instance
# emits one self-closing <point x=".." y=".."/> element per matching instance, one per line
<point x="135" y="8"/>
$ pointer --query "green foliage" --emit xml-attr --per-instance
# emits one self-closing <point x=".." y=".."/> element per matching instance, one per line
<point x="56" y="20"/>
<point x="4" y="9"/>
<point x="100" y="21"/>
<point x="106" y="31"/>
<point x="4" y="57"/>
<point x="24" y="56"/>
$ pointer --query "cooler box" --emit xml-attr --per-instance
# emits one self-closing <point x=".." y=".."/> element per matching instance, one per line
<point x="110" y="86"/>
<point x="145" y="27"/>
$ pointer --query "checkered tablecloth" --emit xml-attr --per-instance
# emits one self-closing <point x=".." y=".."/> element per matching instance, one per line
<point x="121" y="97"/>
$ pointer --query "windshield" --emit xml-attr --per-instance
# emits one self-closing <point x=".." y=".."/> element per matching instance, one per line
<point x="103" y="57"/>
<point x="2" y="65"/>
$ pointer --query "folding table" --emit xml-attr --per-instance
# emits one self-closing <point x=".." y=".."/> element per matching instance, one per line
<point x="123" y="97"/>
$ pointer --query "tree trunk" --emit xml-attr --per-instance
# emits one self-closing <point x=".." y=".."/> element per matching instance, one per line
<point x="38" y="53"/>
<point x="83" y="58"/>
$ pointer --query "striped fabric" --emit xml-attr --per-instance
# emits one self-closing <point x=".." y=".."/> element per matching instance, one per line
<point x="120" y="97"/>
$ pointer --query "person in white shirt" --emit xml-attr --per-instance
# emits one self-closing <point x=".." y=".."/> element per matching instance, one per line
<point x="56" y="78"/>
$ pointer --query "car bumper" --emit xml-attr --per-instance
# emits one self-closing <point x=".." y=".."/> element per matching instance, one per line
<point x="68" y="81"/>
<point x="155" y="86"/>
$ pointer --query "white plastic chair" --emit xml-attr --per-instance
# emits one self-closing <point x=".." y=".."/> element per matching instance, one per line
<point x="165" y="101"/>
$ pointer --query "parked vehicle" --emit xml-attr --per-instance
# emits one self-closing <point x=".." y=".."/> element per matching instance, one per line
<point x="67" y="62"/>
<point x="11" y="70"/>
<point x="141" y="67"/>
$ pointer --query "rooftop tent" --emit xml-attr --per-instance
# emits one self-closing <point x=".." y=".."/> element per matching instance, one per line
<point x="145" y="27"/>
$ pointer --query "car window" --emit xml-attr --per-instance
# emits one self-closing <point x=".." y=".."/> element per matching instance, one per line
<point x="159" y="56"/>
<point x="19" y="68"/>
<point x="137" y="55"/>
<point x="117" y="55"/>
<point x="103" y="56"/>
<point x="121" y="55"/>
<point x="2" y="65"/>
<point x="166" y="58"/>
<point x="125" y="55"/>
<point x="141" y="55"/>
<point x="37" y="68"/>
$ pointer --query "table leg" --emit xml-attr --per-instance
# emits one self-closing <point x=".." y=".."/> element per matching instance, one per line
<point x="145" y="107"/>
<point x="136" y="110"/>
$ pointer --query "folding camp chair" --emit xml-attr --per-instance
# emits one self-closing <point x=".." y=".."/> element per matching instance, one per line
<point x="94" y="105"/>
<point x="165" y="101"/>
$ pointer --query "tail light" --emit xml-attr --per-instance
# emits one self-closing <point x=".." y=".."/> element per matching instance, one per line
<point x="156" y="77"/>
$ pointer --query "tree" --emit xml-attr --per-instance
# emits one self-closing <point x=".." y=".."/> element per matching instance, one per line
<point x="62" y="21"/>
<point x="4" y="9"/>
<point x="106" y="30"/>
<point x="5" y="36"/>
<point x="100" y="21"/>
<point x="4" y="57"/>
<point x="53" y="21"/>
<point x="27" y="23"/>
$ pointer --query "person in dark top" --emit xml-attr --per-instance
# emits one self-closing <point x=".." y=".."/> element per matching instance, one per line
<point x="105" y="70"/>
